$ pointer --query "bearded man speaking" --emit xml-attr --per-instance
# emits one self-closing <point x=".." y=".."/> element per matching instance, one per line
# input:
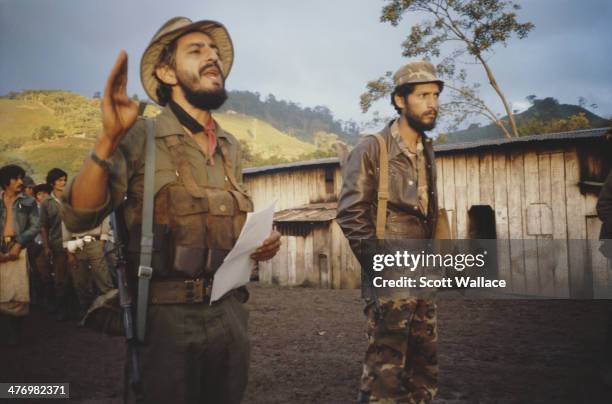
<point x="192" y="351"/>
<point x="401" y="362"/>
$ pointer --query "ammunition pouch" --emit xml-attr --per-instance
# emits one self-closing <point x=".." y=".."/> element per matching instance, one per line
<point x="192" y="234"/>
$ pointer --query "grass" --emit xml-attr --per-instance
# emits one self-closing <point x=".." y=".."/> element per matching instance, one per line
<point x="19" y="119"/>
<point x="77" y="118"/>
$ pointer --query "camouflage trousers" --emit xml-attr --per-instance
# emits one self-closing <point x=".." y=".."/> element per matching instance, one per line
<point x="401" y="363"/>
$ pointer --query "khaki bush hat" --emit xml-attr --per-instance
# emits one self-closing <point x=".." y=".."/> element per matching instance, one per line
<point x="173" y="29"/>
<point x="415" y="73"/>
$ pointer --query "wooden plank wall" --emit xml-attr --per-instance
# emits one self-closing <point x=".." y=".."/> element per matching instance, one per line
<point x="291" y="188"/>
<point x="538" y="206"/>
<point x="322" y="258"/>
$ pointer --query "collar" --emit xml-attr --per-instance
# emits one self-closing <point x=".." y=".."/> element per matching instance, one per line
<point x="52" y="195"/>
<point x="392" y="131"/>
<point x="167" y="125"/>
<point x="20" y="195"/>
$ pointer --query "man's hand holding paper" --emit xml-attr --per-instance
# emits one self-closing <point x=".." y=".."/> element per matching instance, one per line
<point x="257" y="242"/>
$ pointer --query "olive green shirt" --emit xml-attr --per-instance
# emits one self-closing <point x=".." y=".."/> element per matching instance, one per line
<point x="51" y="221"/>
<point x="418" y="162"/>
<point x="126" y="176"/>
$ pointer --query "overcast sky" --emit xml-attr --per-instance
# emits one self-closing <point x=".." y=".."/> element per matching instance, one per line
<point x="316" y="52"/>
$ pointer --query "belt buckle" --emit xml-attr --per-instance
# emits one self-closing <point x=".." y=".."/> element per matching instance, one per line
<point x="189" y="291"/>
<point x="194" y="290"/>
<point x="145" y="272"/>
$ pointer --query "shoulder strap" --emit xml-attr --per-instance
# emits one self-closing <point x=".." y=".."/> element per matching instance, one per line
<point x="383" y="187"/>
<point x="229" y="170"/>
<point x="145" y="271"/>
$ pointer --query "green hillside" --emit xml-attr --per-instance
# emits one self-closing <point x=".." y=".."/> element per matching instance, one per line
<point x="264" y="138"/>
<point x="46" y="129"/>
<point x="19" y="119"/>
<point x="542" y="114"/>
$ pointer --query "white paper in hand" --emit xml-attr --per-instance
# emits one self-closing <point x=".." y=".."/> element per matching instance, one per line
<point x="237" y="266"/>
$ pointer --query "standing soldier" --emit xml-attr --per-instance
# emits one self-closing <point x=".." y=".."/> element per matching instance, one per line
<point x="87" y="258"/>
<point x="193" y="351"/>
<point x="19" y="226"/>
<point x="52" y="241"/>
<point x="38" y="259"/>
<point x="401" y="361"/>
<point x="28" y="186"/>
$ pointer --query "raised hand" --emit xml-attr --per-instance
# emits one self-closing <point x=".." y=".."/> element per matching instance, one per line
<point x="118" y="112"/>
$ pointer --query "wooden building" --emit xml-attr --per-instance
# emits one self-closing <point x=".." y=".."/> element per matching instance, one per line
<point x="533" y="188"/>
<point x="314" y="251"/>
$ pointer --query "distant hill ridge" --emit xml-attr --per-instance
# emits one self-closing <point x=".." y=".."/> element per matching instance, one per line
<point x="301" y="122"/>
<point x="54" y="128"/>
<point x="542" y="111"/>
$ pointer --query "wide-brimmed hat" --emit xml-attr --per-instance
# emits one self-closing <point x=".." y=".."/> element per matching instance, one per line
<point x="170" y="31"/>
<point x="416" y="73"/>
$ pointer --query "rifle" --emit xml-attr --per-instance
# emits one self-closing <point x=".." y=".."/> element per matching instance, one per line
<point x="125" y="299"/>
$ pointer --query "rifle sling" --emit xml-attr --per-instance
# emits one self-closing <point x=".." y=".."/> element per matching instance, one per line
<point x="145" y="271"/>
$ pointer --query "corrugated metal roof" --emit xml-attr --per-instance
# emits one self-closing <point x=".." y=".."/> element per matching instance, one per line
<point x="450" y="148"/>
<point x="314" y="212"/>
<point x="549" y="137"/>
<point x="290" y="166"/>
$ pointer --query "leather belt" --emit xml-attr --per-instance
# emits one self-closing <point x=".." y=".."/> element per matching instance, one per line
<point x="180" y="291"/>
<point x="86" y="238"/>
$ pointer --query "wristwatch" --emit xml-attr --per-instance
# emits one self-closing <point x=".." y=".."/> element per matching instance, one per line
<point x="105" y="164"/>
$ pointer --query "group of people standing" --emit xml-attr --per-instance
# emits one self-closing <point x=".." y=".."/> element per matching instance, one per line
<point x="177" y="178"/>
<point x="60" y="271"/>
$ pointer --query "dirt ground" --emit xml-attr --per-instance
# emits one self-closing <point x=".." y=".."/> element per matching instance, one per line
<point x="308" y="345"/>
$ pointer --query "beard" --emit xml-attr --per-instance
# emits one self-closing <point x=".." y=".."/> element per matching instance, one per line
<point x="207" y="100"/>
<point x="417" y="123"/>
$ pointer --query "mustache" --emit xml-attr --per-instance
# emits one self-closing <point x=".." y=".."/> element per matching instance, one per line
<point x="209" y="66"/>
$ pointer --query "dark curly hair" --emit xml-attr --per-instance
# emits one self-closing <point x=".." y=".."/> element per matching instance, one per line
<point x="9" y="172"/>
<point x="55" y="174"/>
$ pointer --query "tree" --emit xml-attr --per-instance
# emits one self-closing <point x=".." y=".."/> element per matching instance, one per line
<point x="535" y="126"/>
<point x="477" y="25"/>
<point x="44" y="132"/>
<point x="531" y="98"/>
